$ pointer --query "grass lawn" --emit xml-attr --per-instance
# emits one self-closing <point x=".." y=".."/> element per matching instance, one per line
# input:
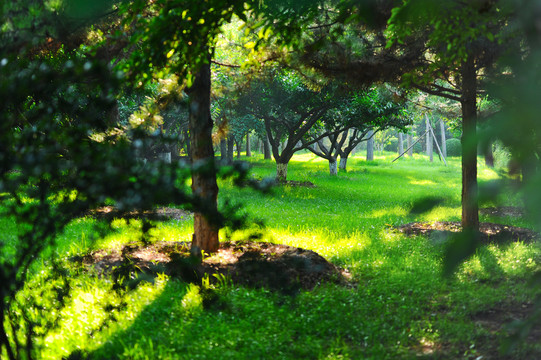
<point x="400" y="307"/>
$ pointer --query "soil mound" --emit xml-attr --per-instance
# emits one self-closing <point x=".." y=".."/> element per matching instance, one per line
<point x="256" y="264"/>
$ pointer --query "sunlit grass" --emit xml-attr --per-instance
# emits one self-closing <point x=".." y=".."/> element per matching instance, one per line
<point x="399" y="305"/>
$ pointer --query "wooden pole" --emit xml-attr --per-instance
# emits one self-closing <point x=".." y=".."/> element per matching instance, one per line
<point x="412" y="145"/>
<point x="437" y="145"/>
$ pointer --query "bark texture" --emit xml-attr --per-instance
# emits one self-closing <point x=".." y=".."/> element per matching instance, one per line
<point x="230" y="149"/>
<point x="410" y="141"/>
<point x="370" y="147"/>
<point x="266" y="149"/>
<point x="400" y="143"/>
<point x="238" y="145"/>
<point x="205" y="236"/>
<point x="333" y="167"/>
<point x="281" y="172"/>
<point x="248" y="146"/>
<point x="223" y="150"/>
<point x="343" y="163"/>
<point x="470" y="207"/>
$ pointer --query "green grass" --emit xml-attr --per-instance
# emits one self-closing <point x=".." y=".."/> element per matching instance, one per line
<point x="401" y="307"/>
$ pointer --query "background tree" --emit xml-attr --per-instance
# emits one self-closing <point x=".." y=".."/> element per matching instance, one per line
<point x="460" y="39"/>
<point x="289" y="109"/>
<point x="371" y="110"/>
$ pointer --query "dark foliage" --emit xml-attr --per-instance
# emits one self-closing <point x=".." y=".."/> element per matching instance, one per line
<point x="59" y="158"/>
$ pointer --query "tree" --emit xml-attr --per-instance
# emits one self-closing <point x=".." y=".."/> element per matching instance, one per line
<point x="289" y="109"/>
<point x="177" y="38"/>
<point x="460" y="38"/>
<point x="366" y="111"/>
<point x="205" y="236"/>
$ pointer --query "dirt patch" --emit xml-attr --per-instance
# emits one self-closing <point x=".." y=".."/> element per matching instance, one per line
<point x="515" y="322"/>
<point x="499" y="318"/>
<point x="164" y="213"/>
<point x="503" y="211"/>
<point x="255" y="264"/>
<point x="490" y="233"/>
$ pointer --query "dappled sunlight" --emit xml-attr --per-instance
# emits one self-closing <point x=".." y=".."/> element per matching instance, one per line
<point x="307" y="157"/>
<point x="422" y="182"/>
<point x="172" y="231"/>
<point x="192" y="301"/>
<point x="395" y="211"/>
<point x="498" y="262"/>
<point x="487" y="174"/>
<point x="91" y="305"/>
<point x="441" y="213"/>
<point x="389" y="237"/>
<point x="125" y="231"/>
<point x="517" y="258"/>
<point x="323" y="242"/>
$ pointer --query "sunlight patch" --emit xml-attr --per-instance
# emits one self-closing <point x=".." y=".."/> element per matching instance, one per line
<point x="395" y="211"/>
<point x="441" y="213"/>
<point x="422" y="182"/>
<point x="86" y="312"/>
<point x="488" y="174"/>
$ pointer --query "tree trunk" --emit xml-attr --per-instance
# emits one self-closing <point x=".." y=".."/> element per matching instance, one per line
<point x="223" y="151"/>
<point x="248" y="146"/>
<point x="343" y="163"/>
<point x="205" y="236"/>
<point x="266" y="149"/>
<point x="443" y="139"/>
<point x="370" y="146"/>
<point x="333" y="167"/>
<point x="410" y="141"/>
<point x="230" y="149"/>
<point x="281" y="172"/>
<point x="470" y="207"/>
<point x="400" y="144"/>
<point x="238" y="144"/>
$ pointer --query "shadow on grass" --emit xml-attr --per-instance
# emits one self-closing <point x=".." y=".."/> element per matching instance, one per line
<point x="397" y="311"/>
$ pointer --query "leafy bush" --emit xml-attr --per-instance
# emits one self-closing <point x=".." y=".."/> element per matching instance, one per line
<point x="392" y="145"/>
<point x="454" y="147"/>
<point x="417" y="148"/>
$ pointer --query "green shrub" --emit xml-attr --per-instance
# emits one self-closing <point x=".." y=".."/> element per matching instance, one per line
<point x="454" y="147"/>
<point x="417" y="148"/>
<point x="392" y="145"/>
